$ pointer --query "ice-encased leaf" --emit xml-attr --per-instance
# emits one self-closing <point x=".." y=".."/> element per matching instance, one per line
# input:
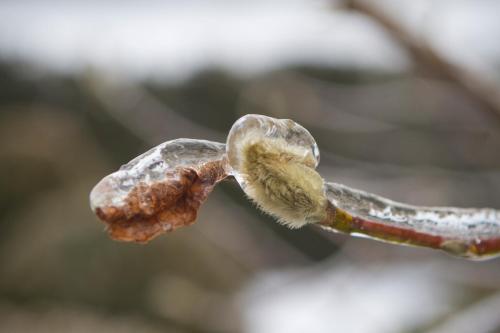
<point x="159" y="190"/>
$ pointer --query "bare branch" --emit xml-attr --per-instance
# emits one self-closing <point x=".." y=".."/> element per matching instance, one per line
<point x="274" y="162"/>
<point x="486" y="93"/>
<point x="465" y="232"/>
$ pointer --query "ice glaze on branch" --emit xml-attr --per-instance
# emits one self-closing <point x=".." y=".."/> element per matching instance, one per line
<point x="466" y="232"/>
<point x="274" y="162"/>
<point x="160" y="190"/>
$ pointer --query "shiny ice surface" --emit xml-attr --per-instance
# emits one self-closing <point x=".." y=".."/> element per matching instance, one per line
<point x="254" y="127"/>
<point x="449" y="222"/>
<point x="153" y="166"/>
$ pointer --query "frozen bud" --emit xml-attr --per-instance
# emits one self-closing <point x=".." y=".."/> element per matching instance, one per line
<point x="274" y="161"/>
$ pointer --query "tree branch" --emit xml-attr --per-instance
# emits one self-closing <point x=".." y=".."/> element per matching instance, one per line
<point x="485" y="92"/>
<point x="273" y="160"/>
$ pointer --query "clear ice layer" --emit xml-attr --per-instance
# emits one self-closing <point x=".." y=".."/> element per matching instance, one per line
<point x="154" y="166"/>
<point x="453" y="223"/>
<point x="163" y="188"/>
<point x="255" y="126"/>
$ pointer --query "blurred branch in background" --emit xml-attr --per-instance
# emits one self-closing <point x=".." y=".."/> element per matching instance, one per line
<point x="480" y="316"/>
<point x="142" y="113"/>
<point x="427" y="116"/>
<point x="484" y="91"/>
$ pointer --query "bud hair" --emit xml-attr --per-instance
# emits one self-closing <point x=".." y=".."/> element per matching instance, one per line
<point x="282" y="181"/>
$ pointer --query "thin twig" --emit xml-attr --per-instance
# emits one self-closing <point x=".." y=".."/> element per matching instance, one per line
<point x="162" y="190"/>
<point x="467" y="232"/>
<point x="140" y="112"/>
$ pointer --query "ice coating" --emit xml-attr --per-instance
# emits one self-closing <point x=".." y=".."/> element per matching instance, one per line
<point x="254" y="126"/>
<point x="469" y="232"/>
<point x="274" y="161"/>
<point x="162" y="189"/>
<point x="159" y="190"/>
<point x="153" y="166"/>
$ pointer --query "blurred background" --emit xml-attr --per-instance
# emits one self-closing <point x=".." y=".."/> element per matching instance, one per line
<point x="402" y="97"/>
